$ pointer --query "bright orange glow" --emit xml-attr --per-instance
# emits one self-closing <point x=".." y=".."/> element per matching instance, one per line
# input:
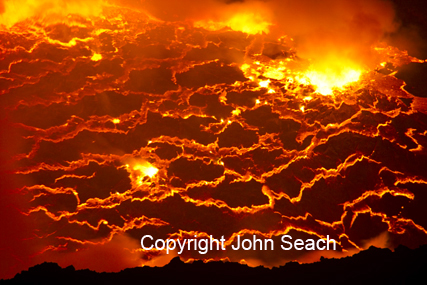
<point x="328" y="80"/>
<point x="97" y="57"/>
<point x="146" y="169"/>
<point x="236" y="112"/>
<point x="140" y="169"/>
<point x="323" y="79"/>
<point x="125" y="121"/>
<point x="249" y="22"/>
<point x="49" y="10"/>
<point x="264" y="83"/>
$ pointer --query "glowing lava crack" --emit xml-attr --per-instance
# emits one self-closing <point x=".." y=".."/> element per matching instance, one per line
<point x="131" y="127"/>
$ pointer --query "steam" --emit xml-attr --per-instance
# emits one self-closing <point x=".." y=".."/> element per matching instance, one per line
<point x="335" y="30"/>
<point x="116" y="255"/>
<point x="332" y="33"/>
<point x="14" y="11"/>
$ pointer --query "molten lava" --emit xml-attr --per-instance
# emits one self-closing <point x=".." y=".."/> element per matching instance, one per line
<point x="325" y="82"/>
<point x="124" y="125"/>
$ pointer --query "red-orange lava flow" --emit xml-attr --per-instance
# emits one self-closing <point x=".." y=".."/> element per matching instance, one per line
<point x="121" y="125"/>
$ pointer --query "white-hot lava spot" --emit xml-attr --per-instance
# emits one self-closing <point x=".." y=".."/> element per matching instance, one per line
<point x="195" y="120"/>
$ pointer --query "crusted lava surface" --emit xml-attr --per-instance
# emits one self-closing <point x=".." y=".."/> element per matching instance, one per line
<point x="121" y="125"/>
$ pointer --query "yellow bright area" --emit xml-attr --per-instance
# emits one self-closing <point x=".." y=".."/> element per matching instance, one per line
<point x="326" y="80"/>
<point x="19" y="10"/>
<point x="146" y="169"/>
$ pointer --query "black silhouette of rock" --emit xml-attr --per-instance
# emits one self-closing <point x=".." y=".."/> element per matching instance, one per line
<point x="375" y="265"/>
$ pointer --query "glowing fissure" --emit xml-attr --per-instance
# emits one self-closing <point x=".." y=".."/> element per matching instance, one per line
<point x="143" y="126"/>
